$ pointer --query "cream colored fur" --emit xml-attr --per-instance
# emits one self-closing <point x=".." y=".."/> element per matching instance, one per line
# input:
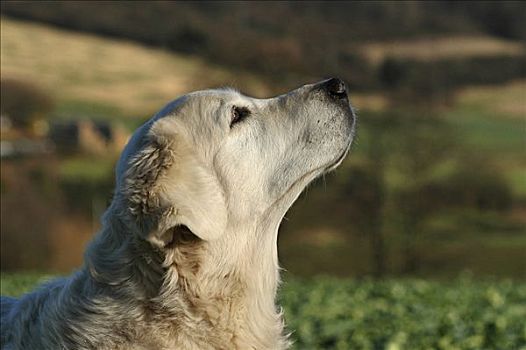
<point x="187" y="256"/>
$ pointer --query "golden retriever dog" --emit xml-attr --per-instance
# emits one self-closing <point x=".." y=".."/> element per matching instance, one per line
<point x="187" y="254"/>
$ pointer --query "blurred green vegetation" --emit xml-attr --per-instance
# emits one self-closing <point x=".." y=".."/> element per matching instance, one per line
<point x="488" y="132"/>
<point x="94" y="169"/>
<point x="330" y="313"/>
<point x="16" y="284"/>
<point x="419" y="196"/>
<point x="436" y="180"/>
<point x="98" y="111"/>
<point x="86" y="109"/>
<point x="327" y="313"/>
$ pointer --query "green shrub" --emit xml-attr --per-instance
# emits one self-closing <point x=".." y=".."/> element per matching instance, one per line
<point x="330" y="313"/>
<point x="327" y="313"/>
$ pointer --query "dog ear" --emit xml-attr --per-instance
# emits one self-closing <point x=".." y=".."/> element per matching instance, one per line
<point x="166" y="186"/>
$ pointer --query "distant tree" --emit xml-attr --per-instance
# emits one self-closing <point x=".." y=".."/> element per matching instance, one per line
<point x="365" y="193"/>
<point x="23" y="102"/>
<point x="391" y="73"/>
<point x="424" y="142"/>
<point x="367" y="187"/>
<point x="30" y="209"/>
<point x="403" y="150"/>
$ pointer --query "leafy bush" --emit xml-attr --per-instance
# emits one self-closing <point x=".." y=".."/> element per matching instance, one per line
<point x="327" y="313"/>
<point x="330" y="313"/>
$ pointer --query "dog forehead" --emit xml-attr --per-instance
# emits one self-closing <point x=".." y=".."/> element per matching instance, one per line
<point x="200" y="102"/>
<point x="170" y="108"/>
<point x="219" y="97"/>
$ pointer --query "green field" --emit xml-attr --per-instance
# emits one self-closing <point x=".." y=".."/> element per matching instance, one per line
<point x="330" y="313"/>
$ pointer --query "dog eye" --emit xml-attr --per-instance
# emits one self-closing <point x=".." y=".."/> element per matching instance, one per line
<point x="239" y="114"/>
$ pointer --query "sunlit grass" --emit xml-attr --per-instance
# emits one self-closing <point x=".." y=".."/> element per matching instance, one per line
<point x="503" y="101"/>
<point x="517" y="180"/>
<point x="16" y="284"/>
<point x="437" y="48"/>
<point x="132" y="78"/>
<point x="489" y="132"/>
<point x="87" y="169"/>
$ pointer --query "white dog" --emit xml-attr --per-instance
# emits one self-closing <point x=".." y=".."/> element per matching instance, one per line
<point x="187" y="256"/>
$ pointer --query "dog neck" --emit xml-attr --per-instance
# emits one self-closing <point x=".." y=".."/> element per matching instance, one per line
<point x="230" y="282"/>
<point x="229" y="292"/>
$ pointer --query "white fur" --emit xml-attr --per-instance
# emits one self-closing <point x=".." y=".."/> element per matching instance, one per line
<point x="187" y="256"/>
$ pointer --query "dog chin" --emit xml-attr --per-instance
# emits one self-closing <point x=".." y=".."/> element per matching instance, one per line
<point x="336" y="163"/>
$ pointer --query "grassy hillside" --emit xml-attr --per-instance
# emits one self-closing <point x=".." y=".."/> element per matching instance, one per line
<point x="506" y="101"/>
<point x="492" y="122"/>
<point x="98" y="76"/>
<point x="436" y="49"/>
<point x="93" y="74"/>
<point x="316" y="37"/>
<point x="87" y="73"/>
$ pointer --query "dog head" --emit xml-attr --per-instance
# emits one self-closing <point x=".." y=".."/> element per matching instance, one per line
<point x="215" y="159"/>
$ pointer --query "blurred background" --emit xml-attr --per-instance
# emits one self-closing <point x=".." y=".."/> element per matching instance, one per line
<point x="422" y="230"/>
<point x="435" y="184"/>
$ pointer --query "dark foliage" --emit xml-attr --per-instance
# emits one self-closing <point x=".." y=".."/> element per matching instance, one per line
<point x="22" y="101"/>
<point x="30" y="204"/>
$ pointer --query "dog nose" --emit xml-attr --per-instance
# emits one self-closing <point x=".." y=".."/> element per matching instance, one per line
<point x="335" y="87"/>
